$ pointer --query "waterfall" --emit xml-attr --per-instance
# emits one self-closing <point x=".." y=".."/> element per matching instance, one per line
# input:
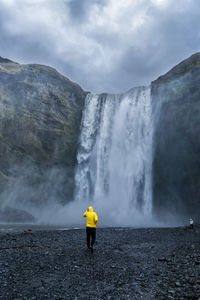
<point x="114" y="171"/>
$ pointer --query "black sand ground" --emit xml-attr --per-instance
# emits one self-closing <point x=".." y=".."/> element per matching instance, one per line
<point x="126" y="264"/>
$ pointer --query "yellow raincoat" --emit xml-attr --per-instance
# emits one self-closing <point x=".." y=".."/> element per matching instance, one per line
<point x="91" y="216"/>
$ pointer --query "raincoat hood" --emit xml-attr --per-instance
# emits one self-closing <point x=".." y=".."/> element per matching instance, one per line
<point x="90" y="209"/>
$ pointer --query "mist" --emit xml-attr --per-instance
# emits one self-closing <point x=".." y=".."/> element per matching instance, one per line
<point x="117" y="146"/>
<point x="130" y="164"/>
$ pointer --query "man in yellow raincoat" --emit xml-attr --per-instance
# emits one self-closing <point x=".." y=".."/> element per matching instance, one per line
<point x="91" y="222"/>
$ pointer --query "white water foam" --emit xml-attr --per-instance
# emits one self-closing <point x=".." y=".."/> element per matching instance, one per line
<point x="114" y="172"/>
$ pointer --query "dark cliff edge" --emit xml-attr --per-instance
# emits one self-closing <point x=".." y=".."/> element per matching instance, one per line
<point x="40" y="114"/>
<point x="176" y="165"/>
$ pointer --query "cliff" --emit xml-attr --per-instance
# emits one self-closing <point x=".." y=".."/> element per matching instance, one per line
<point x="176" y="167"/>
<point x="40" y="114"/>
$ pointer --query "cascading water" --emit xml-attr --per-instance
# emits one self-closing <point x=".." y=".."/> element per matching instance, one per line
<point x="114" y="172"/>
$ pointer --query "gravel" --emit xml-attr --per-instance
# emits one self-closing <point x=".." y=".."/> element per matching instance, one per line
<point x="127" y="263"/>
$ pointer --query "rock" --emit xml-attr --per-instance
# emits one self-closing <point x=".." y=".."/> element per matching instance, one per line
<point x="176" y="104"/>
<point x="164" y="259"/>
<point x="40" y="114"/>
<point x="178" y="283"/>
<point x="42" y="265"/>
<point x="14" y="215"/>
<point x="30" y="272"/>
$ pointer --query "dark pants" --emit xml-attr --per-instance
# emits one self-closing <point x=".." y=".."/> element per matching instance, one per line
<point x="91" y="236"/>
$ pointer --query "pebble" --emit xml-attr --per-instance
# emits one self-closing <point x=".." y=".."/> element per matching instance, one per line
<point x="126" y="264"/>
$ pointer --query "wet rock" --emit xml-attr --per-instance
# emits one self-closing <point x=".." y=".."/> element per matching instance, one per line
<point x="178" y="283"/>
<point x="67" y="270"/>
<point x="8" y="214"/>
<point x="40" y="115"/>
<point x="176" y="97"/>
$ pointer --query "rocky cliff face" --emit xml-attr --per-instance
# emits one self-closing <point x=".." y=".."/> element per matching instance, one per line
<point x="40" y="114"/>
<point x="176" y="167"/>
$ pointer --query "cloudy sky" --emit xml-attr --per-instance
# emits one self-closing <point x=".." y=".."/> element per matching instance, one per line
<point x="104" y="45"/>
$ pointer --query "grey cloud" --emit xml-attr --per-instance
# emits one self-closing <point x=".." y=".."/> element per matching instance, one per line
<point x="175" y="37"/>
<point x="142" y="57"/>
<point x="79" y="9"/>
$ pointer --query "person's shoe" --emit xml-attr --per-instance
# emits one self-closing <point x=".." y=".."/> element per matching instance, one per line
<point x="92" y="250"/>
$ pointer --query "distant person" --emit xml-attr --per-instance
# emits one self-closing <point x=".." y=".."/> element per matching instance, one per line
<point x="91" y="222"/>
<point x="191" y="223"/>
